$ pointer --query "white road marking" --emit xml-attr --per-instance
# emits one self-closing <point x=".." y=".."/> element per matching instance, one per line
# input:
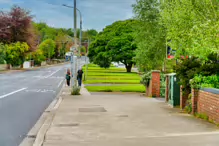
<point x="52" y="73"/>
<point x="3" y="96"/>
<point x="60" y="83"/>
<point x="40" y="90"/>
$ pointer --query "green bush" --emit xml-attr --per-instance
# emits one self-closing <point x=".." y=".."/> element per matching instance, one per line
<point x="200" y="81"/>
<point x="188" y="107"/>
<point x="75" y="90"/>
<point x="162" y="85"/>
<point x="145" y="80"/>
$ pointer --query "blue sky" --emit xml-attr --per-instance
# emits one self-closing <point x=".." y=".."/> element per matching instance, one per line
<point x="96" y="13"/>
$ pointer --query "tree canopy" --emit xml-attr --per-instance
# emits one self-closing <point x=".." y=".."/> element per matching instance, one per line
<point x="115" y="43"/>
<point x="150" y="35"/>
<point x="192" y="26"/>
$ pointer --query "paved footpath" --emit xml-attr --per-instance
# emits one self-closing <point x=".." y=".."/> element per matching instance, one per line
<point x="125" y="120"/>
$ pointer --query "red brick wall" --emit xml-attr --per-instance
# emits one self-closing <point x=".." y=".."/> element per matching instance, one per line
<point x="208" y="103"/>
<point x="153" y="90"/>
<point x="156" y="83"/>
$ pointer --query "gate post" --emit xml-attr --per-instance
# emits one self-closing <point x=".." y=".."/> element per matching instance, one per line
<point x="155" y="83"/>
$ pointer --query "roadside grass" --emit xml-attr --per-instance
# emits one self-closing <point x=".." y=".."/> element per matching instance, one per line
<point x="114" y="78"/>
<point x="127" y="82"/>
<point x="108" y="81"/>
<point x="125" y="88"/>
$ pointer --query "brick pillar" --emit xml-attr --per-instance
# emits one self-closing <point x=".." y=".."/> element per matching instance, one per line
<point x="183" y="98"/>
<point x="155" y="83"/>
<point x="167" y="89"/>
<point x="194" y="100"/>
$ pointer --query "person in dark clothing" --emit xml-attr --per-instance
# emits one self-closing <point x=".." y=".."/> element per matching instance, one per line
<point x="68" y="77"/>
<point x="79" y="76"/>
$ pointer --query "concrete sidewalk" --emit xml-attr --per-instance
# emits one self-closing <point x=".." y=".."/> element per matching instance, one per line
<point x="125" y="120"/>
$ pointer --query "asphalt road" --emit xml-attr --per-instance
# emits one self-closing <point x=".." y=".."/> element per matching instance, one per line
<point x="23" y="98"/>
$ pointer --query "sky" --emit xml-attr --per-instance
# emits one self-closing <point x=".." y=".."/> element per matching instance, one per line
<point x="96" y="14"/>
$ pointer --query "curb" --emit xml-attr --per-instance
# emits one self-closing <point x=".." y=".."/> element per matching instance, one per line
<point x="35" y="136"/>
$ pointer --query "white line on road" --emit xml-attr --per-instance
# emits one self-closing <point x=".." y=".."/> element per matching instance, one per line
<point x="60" y="83"/>
<point x="52" y="73"/>
<point x="3" y="96"/>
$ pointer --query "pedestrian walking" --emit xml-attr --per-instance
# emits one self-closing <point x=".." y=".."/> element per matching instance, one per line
<point x="79" y="76"/>
<point x="68" y="77"/>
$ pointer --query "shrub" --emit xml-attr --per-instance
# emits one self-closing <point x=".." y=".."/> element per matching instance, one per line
<point x="188" y="107"/>
<point x="200" y="81"/>
<point x="145" y="80"/>
<point x="75" y="90"/>
<point x="162" y="85"/>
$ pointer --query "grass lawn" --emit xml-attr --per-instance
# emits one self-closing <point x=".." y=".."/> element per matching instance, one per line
<point x="112" y="75"/>
<point x="118" y="81"/>
<point x="125" y="88"/>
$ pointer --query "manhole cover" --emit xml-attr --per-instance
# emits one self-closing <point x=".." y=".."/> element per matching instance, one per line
<point x="123" y="116"/>
<point x="68" y="125"/>
<point x="92" y="109"/>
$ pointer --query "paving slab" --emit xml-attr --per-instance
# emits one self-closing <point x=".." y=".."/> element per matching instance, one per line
<point x="126" y="120"/>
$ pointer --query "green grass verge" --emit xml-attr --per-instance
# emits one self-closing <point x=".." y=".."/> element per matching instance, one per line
<point x="111" y="74"/>
<point x="125" y="88"/>
<point x="114" y="78"/>
<point x="112" y="81"/>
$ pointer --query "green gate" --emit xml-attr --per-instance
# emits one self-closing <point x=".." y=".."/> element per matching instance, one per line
<point x="174" y="90"/>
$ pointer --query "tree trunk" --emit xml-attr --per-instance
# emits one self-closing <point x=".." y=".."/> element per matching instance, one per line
<point x="129" y="67"/>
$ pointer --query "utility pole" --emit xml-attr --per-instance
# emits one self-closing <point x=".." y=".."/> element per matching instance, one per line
<point x="75" y="43"/>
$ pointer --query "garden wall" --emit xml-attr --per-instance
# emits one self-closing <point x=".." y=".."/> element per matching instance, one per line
<point x="206" y="101"/>
<point x="3" y="66"/>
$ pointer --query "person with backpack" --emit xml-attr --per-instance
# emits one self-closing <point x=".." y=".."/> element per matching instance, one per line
<point x="68" y="77"/>
<point x="79" y="76"/>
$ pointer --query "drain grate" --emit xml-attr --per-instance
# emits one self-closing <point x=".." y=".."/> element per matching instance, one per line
<point x="68" y="125"/>
<point x="92" y="109"/>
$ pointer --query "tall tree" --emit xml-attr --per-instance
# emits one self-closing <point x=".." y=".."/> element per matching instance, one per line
<point x="150" y="35"/>
<point x="192" y="26"/>
<point x="16" y="26"/>
<point x="48" y="48"/>
<point x="115" y="43"/>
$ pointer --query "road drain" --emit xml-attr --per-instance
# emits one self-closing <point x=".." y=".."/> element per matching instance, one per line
<point x="92" y="109"/>
<point x="68" y="125"/>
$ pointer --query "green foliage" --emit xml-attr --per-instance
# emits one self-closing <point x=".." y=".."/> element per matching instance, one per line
<point x="150" y="35"/>
<point x="2" y="54"/>
<point x="38" y="57"/>
<point x="200" y="81"/>
<point x="192" y="26"/>
<point x="162" y="85"/>
<point x="15" y="53"/>
<point x="114" y="43"/>
<point x="186" y="70"/>
<point x="120" y="88"/>
<point x="83" y="50"/>
<point x="48" y="48"/>
<point x="188" y="107"/>
<point x="145" y="80"/>
<point x="75" y="90"/>
<point x="202" y="116"/>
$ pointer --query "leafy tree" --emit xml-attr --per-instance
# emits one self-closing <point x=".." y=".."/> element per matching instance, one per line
<point x="48" y="48"/>
<point x="150" y="35"/>
<point x="38" y="57"/>
<point x="192" y="26"/>
<point x="115" y="43"/>
<point x="83" y="50"/>
<point x="15" y="53"/>
<point x="2" y="53"/>
<point x="16" y="26"/>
